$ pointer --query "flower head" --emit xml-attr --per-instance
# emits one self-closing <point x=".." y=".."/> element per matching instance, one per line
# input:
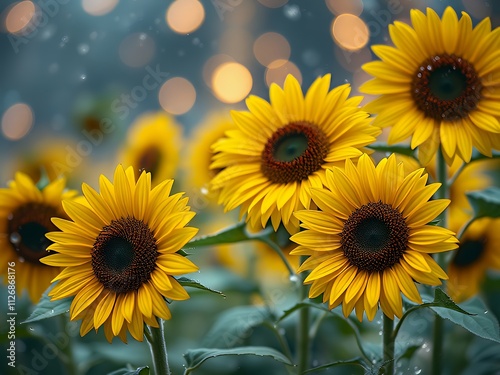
<point x="440" y="85"/>
<point x="199" y="152"/>
<point x="281" y="149"/>
<point x="371" y="240"/>
<point x="153" y="145"/>
<point x="477" y="253"/>
<point x="25" y="213"/>
<point x="120" y="253"/>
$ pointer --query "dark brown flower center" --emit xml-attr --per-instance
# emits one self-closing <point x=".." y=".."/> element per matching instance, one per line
<point x="149" y="160"/>
<point x="374" y="237"/>
<point x="26" y="228"/>
<point x="469" y="252"/>
<point x="446" y="87"/>
<point x="124" y="255"/>
<point x="294" y="152"/>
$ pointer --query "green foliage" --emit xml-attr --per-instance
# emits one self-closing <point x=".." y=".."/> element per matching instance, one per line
<point x="139" y="371"/>
<point x="397" y="149"/>
<point x="194" y="358"/>
<point x="184" y="281"/>
<point x="235" y="325"/>
<point x="355" y="361"/>
<point x="485" y="203"/>
<point x="480" y="323"/>
<point x="235" y="233"/>
<point x="46" y="308"/>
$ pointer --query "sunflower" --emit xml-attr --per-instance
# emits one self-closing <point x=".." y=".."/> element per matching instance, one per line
<point x="120" y="253"/>
<point x="199" y="152"/>
<point x="49" y="158"/>
<point x="281" y="149"/>
<point x="25" y="213"/>
<point x="153" y="144"/>
<point x="473" y="176"/>
<point x="440" y="84"/>
<point x="371" y="240"/>
<point x="477" y="253"/>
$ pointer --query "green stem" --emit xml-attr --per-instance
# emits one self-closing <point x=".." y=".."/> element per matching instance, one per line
<point x="464" y="227"/>
<point x="303" y="339"/>
<point x="389" y="340"/>
<point x="443" y="192"/>
<point x="67" y="349"/>
<point x="303" y="330"/>
<point x="437" y="347"/>
<point x="281" y="339"/>
<point x="158" y="347"/>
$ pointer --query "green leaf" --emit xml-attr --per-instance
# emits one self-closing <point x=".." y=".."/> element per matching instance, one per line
<point x="184" y="281"/>
<point x="235" y="325"/>
<point x="398" y="149"/>
<point x="409" y="351"/>
<point x="355" y="361"/>
<point x="441" y="299"/>
<point x="485" y="203"/>
<point x="195" y="357"/>
<point x="125" y="371"/>
<point x="46" y="308"/>
<point x="302" y="305"/>
<point x="480" y="324"/>
<point x="235" y="233"/>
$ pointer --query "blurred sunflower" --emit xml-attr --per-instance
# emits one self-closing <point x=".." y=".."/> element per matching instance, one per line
<point x="371" y="240"/>
<point x="199" y="152"/>
<point x="479" y="251"/>
<point x="259" y="258"/>
<point x="25" y="213"/>
<point x="153" y="144"/>
<point x="281" y="149"/>
<point x="119" y="253"/>
<point x="473" y="176"/>
<point x="50" y="158"/>
<point x="440" y="84"/>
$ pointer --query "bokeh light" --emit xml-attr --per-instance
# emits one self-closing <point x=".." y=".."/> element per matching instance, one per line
<point x="339" y="7"/>
<point x="270" y="47"/>
<point x="185" y="16"/>
<point x="19" y="16"/>
<point x="279" y="69"/>
<point x="212" y="64"/>
<point x="350" y="32"/>
<point x="231" y="82"/>
<point x="99" y="7"/>
<point x="177" y="96"/>
<point x="137" y="50"/>
<point x="17" y="121"/>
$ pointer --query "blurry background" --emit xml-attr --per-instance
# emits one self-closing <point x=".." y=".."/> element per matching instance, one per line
<point x="75" y="76"/>
<point x="67" y="65"/>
